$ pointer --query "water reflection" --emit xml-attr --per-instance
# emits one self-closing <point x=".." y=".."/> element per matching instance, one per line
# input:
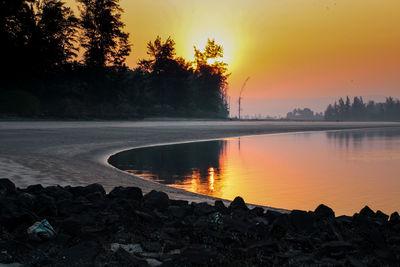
<point x="192" y="166"/>
<point x="358" y="138"/>
<point x="344" y="169"/>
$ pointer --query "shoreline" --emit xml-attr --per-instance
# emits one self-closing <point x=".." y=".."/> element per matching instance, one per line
<point x="76" y="153"/>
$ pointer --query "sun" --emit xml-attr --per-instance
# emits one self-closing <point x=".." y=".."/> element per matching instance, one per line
<point x="199" y="39"/>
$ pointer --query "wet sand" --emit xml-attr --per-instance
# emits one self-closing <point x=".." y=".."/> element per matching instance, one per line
<point x="76" y="152"/>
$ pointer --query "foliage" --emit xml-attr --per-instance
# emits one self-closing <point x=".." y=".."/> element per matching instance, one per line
<point x="103" y="39"/>
<point x="359" y="111"/>
<point x="42" y="75"/>
<point x="304" y="114"/>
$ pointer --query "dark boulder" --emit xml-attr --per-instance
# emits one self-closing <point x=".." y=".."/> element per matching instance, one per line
<point x="156" y="200"/>
<point x="174" y="202"/>
<point x="302" y="221"/>
<point x="81" y="254"/>
<point x="201" y="209"/>
<point x="178" y="211"/>
<point x="71" y="226"/>
<point x="58" y="193"/>
<point x="95" y="197"/>
<point x="324" y="212"/>
<point x="220" y="207"/>
<point x="6" y="187"/>
<point x="12" y="215"/>
<point x="93" y="188"/>
<point x="381" y="216"/>
<point x="132" y="193"/>
<point x="280" y="226"/>
<point x="394" y="218"/>
<point x="35" y="189"/>
<point x="257" y="211"/>
<point x="27" y="200"/>
<point x="199" y="255"/>
<point x="366" y="211"/>
<point x="336" y="249"/>
<point x="46" y="206"/>
<point x="238" y="204"/>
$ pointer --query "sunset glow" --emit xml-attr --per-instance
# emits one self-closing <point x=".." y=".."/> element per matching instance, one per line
<point x="296" y="49"/>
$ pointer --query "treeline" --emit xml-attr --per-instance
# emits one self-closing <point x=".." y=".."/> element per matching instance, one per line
<point x="305" y="114"/>
<point x="345" y="110"/>
<point x="42" y="74"/>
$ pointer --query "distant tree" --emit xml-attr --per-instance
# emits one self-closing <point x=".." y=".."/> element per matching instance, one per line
<point x="358" y="110"/>
<point x="103" y="39"/>
<point x="303" y="114"/>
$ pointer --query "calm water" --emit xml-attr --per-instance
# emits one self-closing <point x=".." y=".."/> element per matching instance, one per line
<point x="344" y="169"/>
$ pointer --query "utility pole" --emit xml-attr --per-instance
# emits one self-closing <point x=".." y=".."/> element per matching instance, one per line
<point x="240" y="95"/>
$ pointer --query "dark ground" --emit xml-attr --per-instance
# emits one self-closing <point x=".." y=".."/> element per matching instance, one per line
<point x="125" y="228"/>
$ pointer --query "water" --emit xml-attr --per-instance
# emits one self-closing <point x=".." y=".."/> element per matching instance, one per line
<point x="345" y="170"/>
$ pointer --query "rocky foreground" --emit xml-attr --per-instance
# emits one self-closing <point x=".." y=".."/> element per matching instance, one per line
<point x="87" y="227"/>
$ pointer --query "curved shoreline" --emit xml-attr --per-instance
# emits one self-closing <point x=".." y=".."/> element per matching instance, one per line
<point x="73" y="153"/>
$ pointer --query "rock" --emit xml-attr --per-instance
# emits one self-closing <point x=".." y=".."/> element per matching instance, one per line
<point x="394" y="218"/>
<point x="130" y="248"/>
<point x="27" y="200"/>
<point x="12" y="216"/>
<point x="81" y="254"/>
<point x="336" y="249"/>
<point x="177" y="212"/>
<point x="71" y="226"/>
<point x="153" y="262"/>
<point x="35" y="189"/>
<point x="95" y="196"/>
<point x="46" y="206"/>
<point x="271" y="215"/>
<point x="201" y="209"/>
<point x="220" y="207"/>
<point x="93" y="188"/>
<point x="152" y="246"/>
<point x="132" y="193"/>
<point x="6" y="187"/>
<point x="156" y="200"/>
<point x="58" y="193"/>
<point x="280" y="226"/>
<point x="382" y="216"/>
<point x="238" y="204"/>
<point x="302" y="221"/>
<point x="324" y="212"/>
<point x="179" y="202"/>
<point x="257" y="211"/>
<point x="366" y="211"/>
<point x="200" y="255"/>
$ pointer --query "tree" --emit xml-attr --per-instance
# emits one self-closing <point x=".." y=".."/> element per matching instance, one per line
<point x="58" y="27"/>
<point x="103" y="39"/>
<point x="211" y="79"/>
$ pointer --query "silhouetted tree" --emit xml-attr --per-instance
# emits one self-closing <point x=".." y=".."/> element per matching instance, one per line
<point x="211" y="79"/>
<point x="359" y="111"/>
<point x="103" y="39"/>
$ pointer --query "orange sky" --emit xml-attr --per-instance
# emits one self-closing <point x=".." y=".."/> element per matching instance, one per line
<point x="308" y="49"/>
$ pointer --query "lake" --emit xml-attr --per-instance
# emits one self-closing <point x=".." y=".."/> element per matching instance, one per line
<point x="345" y="170"/>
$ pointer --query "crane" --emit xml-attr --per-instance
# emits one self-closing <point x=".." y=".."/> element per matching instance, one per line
<point x="240" y="95"/>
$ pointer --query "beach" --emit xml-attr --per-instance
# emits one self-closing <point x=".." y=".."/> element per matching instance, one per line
<point x="75" y="152"/>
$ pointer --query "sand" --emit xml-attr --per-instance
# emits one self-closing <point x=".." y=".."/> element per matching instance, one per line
<point x="76" y="152"/>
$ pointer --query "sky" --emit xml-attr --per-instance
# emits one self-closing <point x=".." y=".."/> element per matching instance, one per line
<point x="297" y="53"/>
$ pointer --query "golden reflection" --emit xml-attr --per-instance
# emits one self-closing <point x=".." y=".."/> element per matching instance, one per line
<point x="297" y="171"/>
<point x="211" y="178"/>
